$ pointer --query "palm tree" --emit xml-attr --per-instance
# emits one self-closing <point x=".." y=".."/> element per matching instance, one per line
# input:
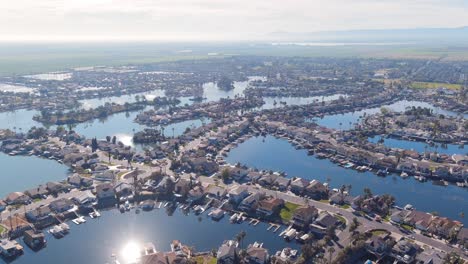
<point x="240" y="237"/>
<point x="331" y="250"/>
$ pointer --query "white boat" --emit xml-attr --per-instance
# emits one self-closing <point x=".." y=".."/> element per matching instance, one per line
<point x="404" y="175"/>
<point x="57" y="231"/>
<point x="127" y="206"/>
<point x="65" y="227"/>
<point x="233" y="218"/>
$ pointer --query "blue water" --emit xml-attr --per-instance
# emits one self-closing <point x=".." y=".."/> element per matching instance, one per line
<point x="349" y="120"/>
<point x="128" y="98"/>
<point x="419" y="146"/>
<point x="279" y="155"/>
<point x="270" y="101"/>
<point x="121" y="125"/>
<point x="97" y="239"/>
<point x="20" y="173"/>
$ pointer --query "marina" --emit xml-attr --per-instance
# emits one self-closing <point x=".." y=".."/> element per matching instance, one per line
<point x="115" y="231"/>
<point x="270" y="153"/>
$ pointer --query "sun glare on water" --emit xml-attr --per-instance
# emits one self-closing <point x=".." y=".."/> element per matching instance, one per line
<point x="130" y="252"/>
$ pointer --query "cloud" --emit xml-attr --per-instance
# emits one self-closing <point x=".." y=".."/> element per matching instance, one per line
<point x="217" y="19"/>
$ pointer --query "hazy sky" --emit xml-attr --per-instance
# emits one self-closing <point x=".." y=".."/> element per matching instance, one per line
<point x="215" y="19"/>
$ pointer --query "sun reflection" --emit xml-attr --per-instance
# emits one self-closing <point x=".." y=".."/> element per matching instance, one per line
<point x="130" y="252"/>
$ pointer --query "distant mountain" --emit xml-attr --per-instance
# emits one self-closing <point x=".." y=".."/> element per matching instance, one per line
<point x="449" y="35"/>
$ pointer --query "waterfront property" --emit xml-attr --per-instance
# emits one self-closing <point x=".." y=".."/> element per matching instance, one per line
<point x="118" y="230"/>
<point x="17" y="176"/>
<point x="279" y="155"/>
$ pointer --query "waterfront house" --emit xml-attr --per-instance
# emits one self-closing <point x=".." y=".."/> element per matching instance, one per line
<point x="182" y="187"/>
<point x="16" y="198"/>
<point x="17" y="224"/>
<point x="85" y="199"/>
<point x="238" y="173"/>
<point x="34" y="239"/>
<point x="213" y="191"/>
<point x="154" y="258"/>
<point x="460" y="159"/>
<point x="269" y="206"/>
<point x="163" y="186"/>
<point x="399" y="217"/>
<point x="340" y="198"/>
<point x="41" y="214"/>
<point x="316" y="190"/>
<point x="77" y="181"/>
<point x="10" y="248"/>
<point x="123" y="189"/>
<point x="256" y="255"/>
<point x="268" y="180"/>
<point x="298" y="185"/>
<point x="105" y="191"/>
<point x="282" y="183"/>
<point x="253" y="176"/>
<point x="250" y="203"/>
<point x="196" y="194"/>
<point x="304" y="216"/>
<point x="444" y="227"/>
<point x="56" y="187"/>
<point x="61" y="205"/>
<point x="39" y="192"/>
<point x="238" y="193"/>
<point x="228" y="253"/>
<point x="418" y="219"/>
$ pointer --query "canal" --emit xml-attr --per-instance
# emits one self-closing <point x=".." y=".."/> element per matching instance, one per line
<point x="418" y="146"/>
<point x="20" y="173"/>
<point x="275" y="154"/>
<point x="349" y="120"/>
<point x="113" y="233"/>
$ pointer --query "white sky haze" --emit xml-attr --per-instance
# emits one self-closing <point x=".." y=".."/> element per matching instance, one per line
<point x="215" y="19"/>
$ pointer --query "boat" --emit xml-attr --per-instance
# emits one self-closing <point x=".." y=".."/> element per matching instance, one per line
<point x="57" y="231"/>
<point x="127" y="206"/>
<point x="94" y="214"/>
<point x="65" y="228"/>
<point x="122" y="208"/>
<point x="382" y="173"/>
<point x="233" y="218"/>
<point x="404" y="175"/>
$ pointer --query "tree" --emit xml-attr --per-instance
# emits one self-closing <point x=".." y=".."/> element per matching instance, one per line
<point x="94" y="145"/>
<point x="331" y="250"/>
<point x="114" y="139"/>
<point x="225" y="175"/>
<point x="108" y="138"/>
<point x="367" y="193"/>
<point x="240" y="237"/>
<point x="354" y="225"/>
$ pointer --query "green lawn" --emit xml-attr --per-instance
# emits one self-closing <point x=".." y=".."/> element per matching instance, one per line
<point x="2" y="229"/>
<point x="341" y="219"/>
<point x="434" y="85"/>
<point x="379" y="232"/>
<point x="407" y="227"/>
<point x="345" y="206"/>
<point x="288" y="210"/>
<point x="325" y="201"/>
<point x="201" y="260"/>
